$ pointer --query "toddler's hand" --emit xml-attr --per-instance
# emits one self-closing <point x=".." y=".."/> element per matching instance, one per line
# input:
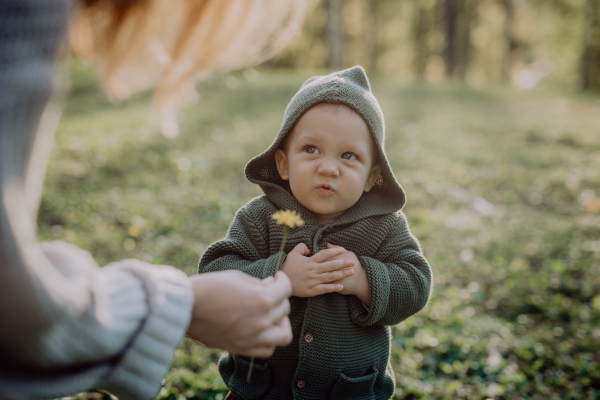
<point x="312" y="276"/>
<point x="356" y="284"/>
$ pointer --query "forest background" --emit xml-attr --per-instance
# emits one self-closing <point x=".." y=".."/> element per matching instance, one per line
<point x="479" y="42"/>
<point x="493" y="129"/>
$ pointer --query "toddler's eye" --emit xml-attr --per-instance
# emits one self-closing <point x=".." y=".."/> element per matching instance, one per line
<point x="311" y="149"/>
<point x="349" y="156"/>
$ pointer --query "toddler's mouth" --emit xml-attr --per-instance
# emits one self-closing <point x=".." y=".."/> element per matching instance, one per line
<point x="325" y="190"/>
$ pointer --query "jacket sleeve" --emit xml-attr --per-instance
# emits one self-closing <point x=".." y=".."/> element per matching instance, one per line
<point x="245" y="248"/>
<point x="399" y="279"/>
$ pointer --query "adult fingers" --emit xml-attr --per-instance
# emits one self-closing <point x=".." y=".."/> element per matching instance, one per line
<point x="256" y="351"/>
<point x="332" y="246"/>
<point x="256" y="337"/>
<point x="275" y="291"/>
<point x="326" y="254"/>
<point x="239" y="276"/>
<point x="276" y="314"/>
<point x="277" y="335"/>
<point x="283" y="284"/>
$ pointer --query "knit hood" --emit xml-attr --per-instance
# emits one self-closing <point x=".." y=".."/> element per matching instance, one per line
<point x="349" y="87"/>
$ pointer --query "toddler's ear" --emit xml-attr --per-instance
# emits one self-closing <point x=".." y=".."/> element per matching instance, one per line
<point x="372" y="178"/>
<point x="282" y="164"/>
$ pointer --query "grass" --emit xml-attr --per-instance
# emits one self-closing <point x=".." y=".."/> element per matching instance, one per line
<point x="503" y="193"/>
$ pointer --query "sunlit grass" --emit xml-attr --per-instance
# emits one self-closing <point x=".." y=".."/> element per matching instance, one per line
<point x="503" y="192"/>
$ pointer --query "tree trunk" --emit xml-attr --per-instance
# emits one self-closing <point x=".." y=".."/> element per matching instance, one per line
<point x="510" y="39"/>
<point x="467" y="19"/>
<point x="335" y="34"/>
<point x="459" y="16"/>
<point x="373" y="48"/>
<point x="420" y="32"/>
<point x="450" y="28"/>
<point x="590" y="56"/>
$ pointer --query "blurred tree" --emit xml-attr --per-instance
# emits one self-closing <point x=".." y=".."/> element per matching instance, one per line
<point x="420" y="29"/>
<point x="459" y="16"/>
<point x="335" y="34"/>
<point x="476" y="41"/>
<point x="590" y="57"/>
<point x="372" y="42"/>
<point x="510" y="38"/>
<point x="450" y="27"/>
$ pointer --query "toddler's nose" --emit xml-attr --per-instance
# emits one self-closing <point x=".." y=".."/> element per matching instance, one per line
<point x="328" y="168"/>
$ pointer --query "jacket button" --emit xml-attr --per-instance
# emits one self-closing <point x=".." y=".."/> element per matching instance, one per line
<point x="308" y="338"/>
<point x="321" y="236"/>
<point x="301" y="384"/>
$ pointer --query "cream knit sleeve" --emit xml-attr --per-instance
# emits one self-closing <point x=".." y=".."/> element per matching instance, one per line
<point x="66" y="325"/>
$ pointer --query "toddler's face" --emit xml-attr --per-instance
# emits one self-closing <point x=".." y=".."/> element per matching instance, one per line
<point x="328" y="159"/>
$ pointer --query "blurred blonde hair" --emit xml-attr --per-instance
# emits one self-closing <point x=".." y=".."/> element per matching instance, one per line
<point x="140" y="44"/>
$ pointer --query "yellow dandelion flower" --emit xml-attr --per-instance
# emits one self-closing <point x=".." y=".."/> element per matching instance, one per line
<point x="288" y="218"/>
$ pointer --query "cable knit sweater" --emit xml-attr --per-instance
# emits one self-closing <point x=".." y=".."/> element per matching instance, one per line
<point x="65" y="324"/>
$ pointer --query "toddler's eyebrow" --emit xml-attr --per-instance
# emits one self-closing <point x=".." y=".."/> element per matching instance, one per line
<point x="310" y="138"/>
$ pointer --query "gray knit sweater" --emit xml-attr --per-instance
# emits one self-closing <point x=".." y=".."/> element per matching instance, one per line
<point x="65" y="324"/>
<point x="340" y="348"/>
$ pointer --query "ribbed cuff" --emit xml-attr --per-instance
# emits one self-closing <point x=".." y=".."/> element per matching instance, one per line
<point x="115" y="307"/>
<point x="148" y="357"/>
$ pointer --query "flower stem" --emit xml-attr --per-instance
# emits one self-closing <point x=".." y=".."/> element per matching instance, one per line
<point x="277" y="266"/>
<point x="280" y="255"/>
<point x="250" y="370"/>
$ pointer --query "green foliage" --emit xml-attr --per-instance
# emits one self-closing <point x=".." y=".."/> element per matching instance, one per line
<point x="503" y="193"/>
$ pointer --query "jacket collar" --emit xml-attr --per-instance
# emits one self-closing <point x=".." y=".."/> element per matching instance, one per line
<point x="370" y="204"/>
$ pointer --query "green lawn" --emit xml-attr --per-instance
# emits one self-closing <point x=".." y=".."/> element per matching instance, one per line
<point x="503" y="193"/>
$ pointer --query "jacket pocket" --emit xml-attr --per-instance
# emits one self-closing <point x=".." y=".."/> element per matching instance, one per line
<point x="260" y="379"/>
<point x="361" y="388"/>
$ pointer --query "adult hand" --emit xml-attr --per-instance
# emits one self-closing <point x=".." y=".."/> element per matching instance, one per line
<point x="241" y="314"/>
<point x="312" y="276"/>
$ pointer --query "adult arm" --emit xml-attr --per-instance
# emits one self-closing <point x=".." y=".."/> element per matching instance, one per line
<point x="74" y="325"/>
<point x="66" y="325"/>
<point x="399" y="279"/>
<point x="69" y="325"/>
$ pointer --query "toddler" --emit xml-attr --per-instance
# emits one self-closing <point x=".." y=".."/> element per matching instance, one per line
<point x="355" y="267"/>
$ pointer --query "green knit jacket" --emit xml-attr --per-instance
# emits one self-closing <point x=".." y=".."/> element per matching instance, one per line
<point x="348" y="356"/>
<point x="340" y="348"/>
